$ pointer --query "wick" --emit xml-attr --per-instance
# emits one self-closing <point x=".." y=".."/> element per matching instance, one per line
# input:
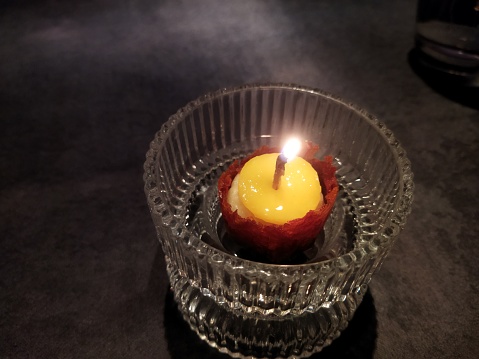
<point x="279" y="170"/>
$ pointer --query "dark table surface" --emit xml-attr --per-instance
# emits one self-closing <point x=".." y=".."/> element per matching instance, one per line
<point x="84" y="85"/>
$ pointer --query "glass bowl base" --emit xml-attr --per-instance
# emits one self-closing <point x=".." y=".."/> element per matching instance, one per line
<point x="252" y="335"/>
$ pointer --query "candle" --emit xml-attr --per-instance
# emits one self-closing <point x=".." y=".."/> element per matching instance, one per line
<point x="276" y="203"/>
<point x="276" y="187"/>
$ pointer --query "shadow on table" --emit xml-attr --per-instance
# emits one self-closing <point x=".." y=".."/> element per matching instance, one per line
<point x="452" y="86"/>
<point x="357" y="341"/>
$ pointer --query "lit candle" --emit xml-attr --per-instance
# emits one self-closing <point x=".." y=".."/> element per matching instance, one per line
<point x="276" y="204"/>
<point x="276" y="187"/>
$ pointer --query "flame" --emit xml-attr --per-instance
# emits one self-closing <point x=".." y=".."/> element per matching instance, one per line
<point x="291" y="149"/>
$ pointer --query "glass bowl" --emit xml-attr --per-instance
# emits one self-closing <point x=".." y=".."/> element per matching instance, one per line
<point x="235" y="301"/>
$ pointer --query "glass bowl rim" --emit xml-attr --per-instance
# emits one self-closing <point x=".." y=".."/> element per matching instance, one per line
<point x="394" y="224"/>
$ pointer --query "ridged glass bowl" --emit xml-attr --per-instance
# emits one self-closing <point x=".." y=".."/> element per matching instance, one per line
<point x="234" y="301"/>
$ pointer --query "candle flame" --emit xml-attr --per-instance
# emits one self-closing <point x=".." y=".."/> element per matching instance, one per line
<point x="291" y="148"/>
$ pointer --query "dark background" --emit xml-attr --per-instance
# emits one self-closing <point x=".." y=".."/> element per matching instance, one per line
<point x="84" y="85"/>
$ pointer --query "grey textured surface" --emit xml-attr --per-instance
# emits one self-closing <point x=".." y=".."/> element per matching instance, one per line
<point x="85" y="85"/>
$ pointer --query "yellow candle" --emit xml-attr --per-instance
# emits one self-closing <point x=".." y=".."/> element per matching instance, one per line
<point x="299" y="189"/>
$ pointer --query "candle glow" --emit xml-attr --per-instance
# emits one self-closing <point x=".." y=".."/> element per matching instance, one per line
<point x="291" y="149"/>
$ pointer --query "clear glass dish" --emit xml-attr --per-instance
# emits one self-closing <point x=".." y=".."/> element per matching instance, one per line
<point x="234" y="301"/>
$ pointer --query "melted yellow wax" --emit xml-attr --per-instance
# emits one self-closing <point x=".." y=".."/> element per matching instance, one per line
<point x="299" y="189"/>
